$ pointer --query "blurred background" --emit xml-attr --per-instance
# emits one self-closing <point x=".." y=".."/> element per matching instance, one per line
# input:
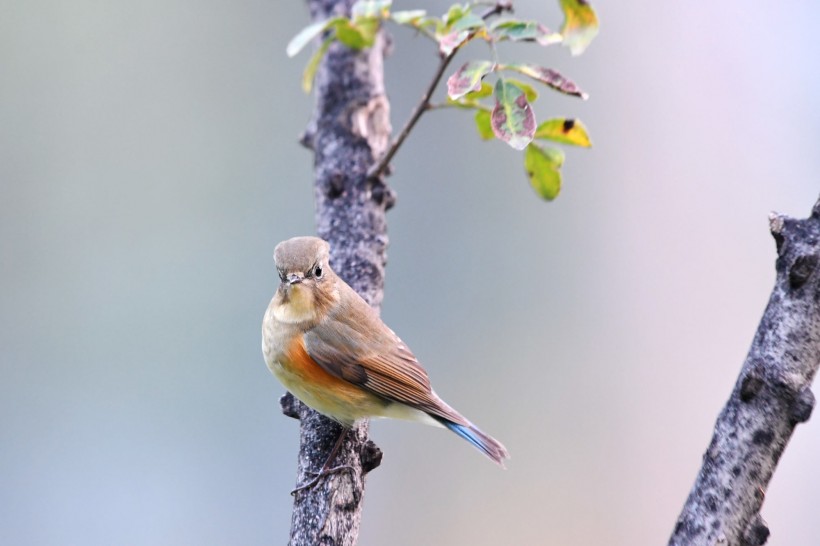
<point x="149" y="164"/>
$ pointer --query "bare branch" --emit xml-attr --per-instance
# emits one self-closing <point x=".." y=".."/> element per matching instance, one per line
<point x="772" y="395"/>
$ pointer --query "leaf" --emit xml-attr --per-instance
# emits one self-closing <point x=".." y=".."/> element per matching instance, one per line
<point x="468" y="78"/>
<point x="469" y="21"/>
<point x="483" y="125"/>
<point x="530" y="31"/>
<point x="408" y="17"/>
<point x="371" y="8"/>
<point x="456" y="12"/>
<point x="368" y="27"/>
<point x="355" y="36"/>
<point x="512" y="118"/>
<point x="543" y="166"/>
<point x="565" y="131"/>
<point x="309" y="33"/>
<point x="471" y="101"/>
<point x="528" y="90"/>
<point x="313" y="64"/>
<point x="448" y="43"/>
<point x="580" y="25"/>
<point x="548" y="77"/>
<point x="485" y="91"/>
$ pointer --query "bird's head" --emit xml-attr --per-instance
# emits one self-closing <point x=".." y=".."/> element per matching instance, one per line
<point x="307" y="285"/>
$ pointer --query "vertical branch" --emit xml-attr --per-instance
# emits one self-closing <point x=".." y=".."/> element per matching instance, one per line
<point x="350" y="128"/>
<point x="772" y="395"/>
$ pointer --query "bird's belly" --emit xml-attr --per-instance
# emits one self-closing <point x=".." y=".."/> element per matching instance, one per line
<point x="322" y="391"/>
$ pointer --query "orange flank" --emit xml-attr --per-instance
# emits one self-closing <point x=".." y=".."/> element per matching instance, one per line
<point x="323" y="391"/>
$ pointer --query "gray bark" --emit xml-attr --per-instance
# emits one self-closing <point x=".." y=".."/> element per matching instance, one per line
<point x="349" y="130"/>
<point x="772" y="395"/>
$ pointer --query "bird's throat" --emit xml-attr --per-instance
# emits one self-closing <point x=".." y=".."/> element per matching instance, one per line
<point x="294" y="306"/>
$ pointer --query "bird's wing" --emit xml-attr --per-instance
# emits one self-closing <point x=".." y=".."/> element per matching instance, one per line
<point x="365" y="352"/>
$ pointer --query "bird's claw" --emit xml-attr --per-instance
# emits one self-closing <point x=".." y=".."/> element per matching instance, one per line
<point x="319" y="475"/>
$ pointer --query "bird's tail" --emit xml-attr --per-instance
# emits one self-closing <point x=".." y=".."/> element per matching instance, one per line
<point x="485" y="443"/>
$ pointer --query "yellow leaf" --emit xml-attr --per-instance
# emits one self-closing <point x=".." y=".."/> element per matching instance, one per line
<point x="565" y="131"/>
<point x="580" y="25"/>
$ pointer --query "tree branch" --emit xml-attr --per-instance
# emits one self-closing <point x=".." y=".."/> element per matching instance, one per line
<point x="772" y="395"/>
<point x="379" y="168"/>
<point x="350" y="127"/>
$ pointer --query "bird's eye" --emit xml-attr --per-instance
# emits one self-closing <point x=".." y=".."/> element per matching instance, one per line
<point x="317" y="271"/>
<point x="281" y="274"/>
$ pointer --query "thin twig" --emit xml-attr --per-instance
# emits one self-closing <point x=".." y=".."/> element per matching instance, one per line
<point x="378" y="169"/>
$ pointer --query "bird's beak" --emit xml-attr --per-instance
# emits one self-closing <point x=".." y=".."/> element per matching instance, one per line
<point x="294" y="278"/>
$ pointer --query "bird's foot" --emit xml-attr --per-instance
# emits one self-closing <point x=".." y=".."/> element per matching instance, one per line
<point x="319" y="475"/>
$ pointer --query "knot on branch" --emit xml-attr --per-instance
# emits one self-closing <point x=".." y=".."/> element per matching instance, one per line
<point x="751" y="384"/>
<point x="382" y="194"/>
<point x="802" y="406"/>
<point x="306" y="138"/>
<point x="290" y="405"/>
<point x="371" y="121"/>
<point x="801" y="270"/>
<point x="756" y="533"/>
<point x="370" y="456"/>
<point x="333" y="185"/>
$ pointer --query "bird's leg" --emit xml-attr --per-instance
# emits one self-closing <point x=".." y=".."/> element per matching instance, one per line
<point x="326" y="470"/>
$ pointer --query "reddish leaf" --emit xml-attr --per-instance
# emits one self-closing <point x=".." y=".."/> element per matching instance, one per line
<point x="468" y="78"/>
<point x="548" y="77"/>
<point x="452" y="41"/>
<point x="512" y="118"/>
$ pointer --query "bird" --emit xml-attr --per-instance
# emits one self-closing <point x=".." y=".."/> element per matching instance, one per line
<point x="332" y="351"/>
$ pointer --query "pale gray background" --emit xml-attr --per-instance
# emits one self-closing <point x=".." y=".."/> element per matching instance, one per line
<point x="149" y="164"/>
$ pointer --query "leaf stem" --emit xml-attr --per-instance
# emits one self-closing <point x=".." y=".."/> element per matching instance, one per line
<point x="378" y="169"/>
<point x="495" y="53"/>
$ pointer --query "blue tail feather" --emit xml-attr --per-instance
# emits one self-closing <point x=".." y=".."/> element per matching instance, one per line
<point x="485" y="443"/>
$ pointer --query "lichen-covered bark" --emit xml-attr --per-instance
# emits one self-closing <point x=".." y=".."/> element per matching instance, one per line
<point x="772" y="395"/>
<point x="349" y="130"/>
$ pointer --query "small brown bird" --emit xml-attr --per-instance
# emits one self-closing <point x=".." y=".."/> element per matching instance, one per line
<point x="332" y="351"/>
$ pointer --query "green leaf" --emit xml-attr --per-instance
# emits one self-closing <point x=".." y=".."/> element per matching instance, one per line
<point x="448" y="43"/>
<point x="512" y="118"/>
<point x="456" y="12"/>
<point x="313" y="64"/>
<point x="368" y="27"/>
<point x="528" y="90"/>
<point x="468" y="78"/>
<point x="485" y="91"/>
<point x="469" y="21"/>
<point x="543" y="166"/>
<point x="471" y="101"/>
<point x="355" y="36"/>
<point x="378" y="9"/>
<point x="309" y="33"/>
<point x="408" y="17"/>
<point x="580" y="25"/>
<point x="565" y="131"/>
<point x="548" y="77"/>
<point x="483" y="125"/>
<point x="530" y="31"/>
